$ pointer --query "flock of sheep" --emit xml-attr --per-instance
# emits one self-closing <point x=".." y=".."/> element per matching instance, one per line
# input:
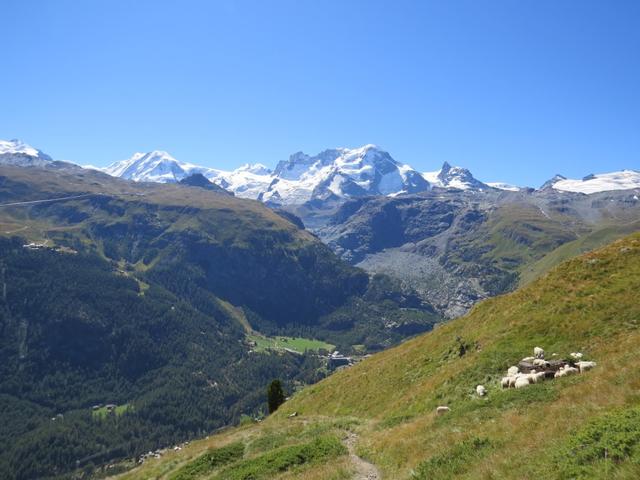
<point x="517" y="379"/>
<point x="540" y="370"/>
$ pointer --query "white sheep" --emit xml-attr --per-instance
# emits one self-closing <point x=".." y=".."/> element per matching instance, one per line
<point x="441" y="410"/>
<point x="512" y="371"/>
<point x="512" y="380"/>
<point x="481" y="391"/>
<point x="522" y="382"/>
<point x="535" y="377"/>
<point x="539" y="362"/>
<point x="584" y="366"/>
<point x="505" y="382"/>
<point x="538" y="352"/>
<point x="576" y="355"/>
<point x="564" y="371"/>
<point x="528" y="359"/>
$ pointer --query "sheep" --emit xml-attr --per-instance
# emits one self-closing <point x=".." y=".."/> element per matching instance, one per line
<point x="535" y="377"/>
<point x="504" y="382"/>
<point x="441" y="410"/>
<point x="481" y="391"/>
<point x="564" y="371"/>
<point x="540" y="376"/>
<point x="559" y="373"/>
<point x="512" y="371"/>
<point x="584" y="366"/>
<point x="522" y="382"/>
<point x="539" y="362"/>
<point x="512" y="380"/>
<point x="538" y="352"/>
<point x="576" y="355"/>
<point x="528" y="359"/>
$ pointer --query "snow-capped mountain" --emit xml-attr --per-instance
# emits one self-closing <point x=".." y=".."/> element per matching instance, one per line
<point x="340" y="173"/>
<point x="248" y="181"/>
<point x="333" y="174"/>
<point x="454" y="177"/>
<point x="16" y="152"/>
<point x="156" y="166"/>
<point x="621" y="180"/>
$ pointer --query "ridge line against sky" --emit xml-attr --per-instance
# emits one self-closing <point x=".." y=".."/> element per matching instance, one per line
<point x="514" y="91"/>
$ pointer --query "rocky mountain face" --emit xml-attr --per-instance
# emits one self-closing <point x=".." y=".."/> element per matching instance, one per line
<point x="458" y="247"/>
<point x="199" y="180"/>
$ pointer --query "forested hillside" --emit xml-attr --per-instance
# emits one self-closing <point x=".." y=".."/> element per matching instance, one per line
<point x="75" y="333"/>
<point x="145" y="297"/>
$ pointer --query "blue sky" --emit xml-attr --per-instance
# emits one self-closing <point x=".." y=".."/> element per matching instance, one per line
<point x="515" y="90"/>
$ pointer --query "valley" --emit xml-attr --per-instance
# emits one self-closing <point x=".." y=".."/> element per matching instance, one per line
<point x="140" y="296"/>
<point x="583" y="426"/>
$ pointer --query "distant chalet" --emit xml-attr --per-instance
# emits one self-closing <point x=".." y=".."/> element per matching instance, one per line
<point x="336" y="360"/>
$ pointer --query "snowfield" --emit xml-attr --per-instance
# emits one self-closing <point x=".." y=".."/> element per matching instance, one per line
<point x="622" y="180"/>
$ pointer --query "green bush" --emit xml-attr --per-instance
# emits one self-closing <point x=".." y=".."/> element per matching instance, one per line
<point x="601" y="446"/>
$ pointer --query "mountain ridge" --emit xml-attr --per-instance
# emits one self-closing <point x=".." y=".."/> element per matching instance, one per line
<point x="337" y="173"/>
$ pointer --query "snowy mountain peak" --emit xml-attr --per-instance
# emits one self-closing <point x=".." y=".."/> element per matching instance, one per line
<point x="620" y="180"/>
<point x="454" y="177"/>
<point x="154" y="166"/>
<point x="341" y="173"/>
<point x="16" y="152"/>
<point x="553" y="180"/>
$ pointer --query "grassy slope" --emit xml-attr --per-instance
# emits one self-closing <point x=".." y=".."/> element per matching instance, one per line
<point x="587" y="304"/>
<point x="588" y="242"/>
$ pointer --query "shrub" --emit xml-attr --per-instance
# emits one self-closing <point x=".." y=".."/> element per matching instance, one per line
<point x="603" y="444"/>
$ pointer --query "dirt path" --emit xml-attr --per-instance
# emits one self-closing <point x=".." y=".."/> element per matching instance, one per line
<point x="364" y="470"/>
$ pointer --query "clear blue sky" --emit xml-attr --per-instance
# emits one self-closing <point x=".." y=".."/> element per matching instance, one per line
<point x="514" y="90"/>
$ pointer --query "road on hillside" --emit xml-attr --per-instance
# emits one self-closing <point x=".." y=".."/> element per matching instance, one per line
<point x="31" y="202"/>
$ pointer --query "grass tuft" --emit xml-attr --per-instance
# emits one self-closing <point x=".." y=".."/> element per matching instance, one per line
<point x="210" y="461"/>
<point x="283" y="459"/>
